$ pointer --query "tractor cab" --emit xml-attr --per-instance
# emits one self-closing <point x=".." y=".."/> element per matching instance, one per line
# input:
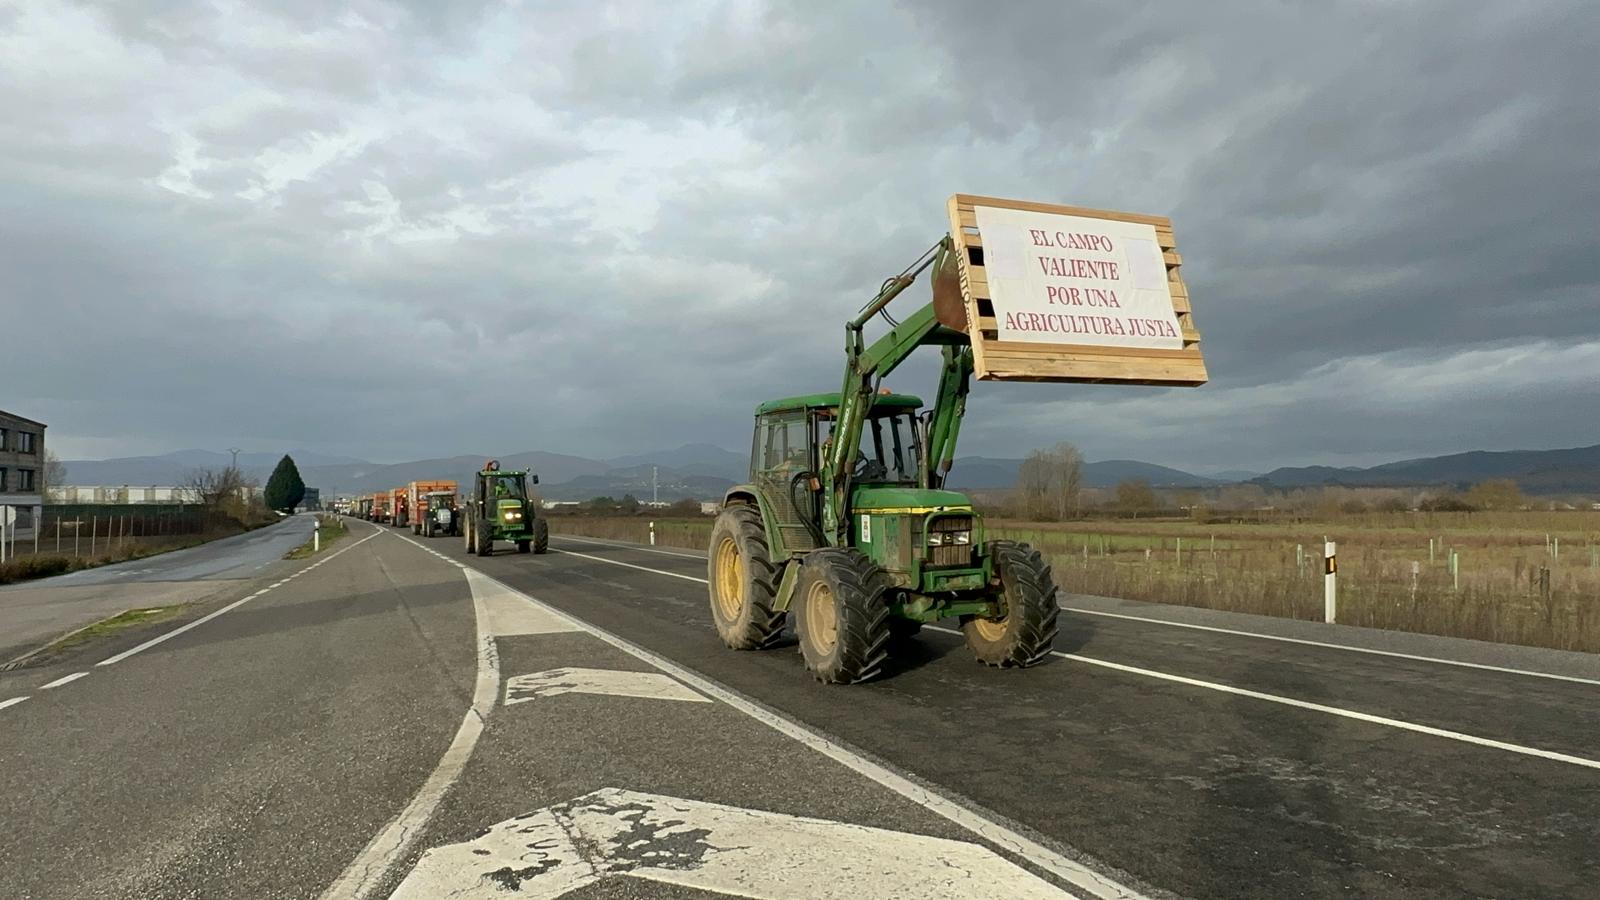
<point x="923" y="537"/>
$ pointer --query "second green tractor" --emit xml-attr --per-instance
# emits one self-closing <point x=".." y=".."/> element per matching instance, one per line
<point x="499" y="508"/>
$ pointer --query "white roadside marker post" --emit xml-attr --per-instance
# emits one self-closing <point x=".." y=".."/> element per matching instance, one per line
<point x="316" y="535"/>
<point x="652" y="534"/>
<point x="1330" y="582"/>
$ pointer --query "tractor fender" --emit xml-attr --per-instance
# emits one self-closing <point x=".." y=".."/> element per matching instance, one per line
<point x="750" y="495"/>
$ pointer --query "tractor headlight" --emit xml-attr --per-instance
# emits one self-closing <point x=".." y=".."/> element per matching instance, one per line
<point x="936" y="539"/>
<point x="512" y="514"/>
<point x="961" y="537"/>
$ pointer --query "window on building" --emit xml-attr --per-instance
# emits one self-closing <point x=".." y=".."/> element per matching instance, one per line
<point x="2" y="479"/>
<point x="3" y="435"/>
<point x="25" y="441"/>
<point x="24" y="480"/>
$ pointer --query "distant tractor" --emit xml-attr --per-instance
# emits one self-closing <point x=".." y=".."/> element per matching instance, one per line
<point x="499" y="509"/>
<point x="846" y="523"/>
<point x="419" y="502"/>
<point x="440" y="515"/>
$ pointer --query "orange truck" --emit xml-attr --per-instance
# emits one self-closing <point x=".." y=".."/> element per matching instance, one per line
<point x="421" y="498"/>
<point x="380" y="508"/>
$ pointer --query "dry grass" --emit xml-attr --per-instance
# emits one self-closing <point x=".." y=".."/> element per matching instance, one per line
<point x="1523" y="577"/>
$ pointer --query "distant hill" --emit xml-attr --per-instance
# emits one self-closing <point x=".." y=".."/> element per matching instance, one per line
<point x="1572" y="471"/>
<point x="987" y="472"/>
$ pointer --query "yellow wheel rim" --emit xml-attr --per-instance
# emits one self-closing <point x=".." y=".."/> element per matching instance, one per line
<point x="730" y="578"/>
<point x="990" y="629"/>
<point x="822" y="619"/>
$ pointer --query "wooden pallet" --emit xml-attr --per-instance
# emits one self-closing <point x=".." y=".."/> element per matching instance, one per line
<point x="997" y="360"/>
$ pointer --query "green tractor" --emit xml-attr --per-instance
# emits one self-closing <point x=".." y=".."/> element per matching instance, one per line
<point x="499" y="509"/>
<point x="847" y="525"/>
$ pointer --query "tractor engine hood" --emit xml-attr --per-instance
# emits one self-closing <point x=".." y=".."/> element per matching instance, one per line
<point x="894" y="499"/>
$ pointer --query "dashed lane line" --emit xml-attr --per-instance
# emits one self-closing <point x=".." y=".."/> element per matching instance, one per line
<point x="1245" y="692"/>
<point x="12" y="701"/>
<point x="65" y="679"/>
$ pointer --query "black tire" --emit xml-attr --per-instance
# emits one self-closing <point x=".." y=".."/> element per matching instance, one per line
<point x="467" y="531"/>
<point x="541" y="536"/>
<point x="742" y="581"/>
<point x="842" y="614"/>
<point x="1025" y="634"/>
<point x="485" y="538"/>
<point x="416" y="528"/>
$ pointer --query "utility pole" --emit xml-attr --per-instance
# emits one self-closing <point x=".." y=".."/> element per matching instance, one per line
<point x="655" y="487"/>
<point x="235" y="451"/>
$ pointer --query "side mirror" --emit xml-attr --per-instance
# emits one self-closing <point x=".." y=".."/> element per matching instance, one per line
<point x="533" y="478"/>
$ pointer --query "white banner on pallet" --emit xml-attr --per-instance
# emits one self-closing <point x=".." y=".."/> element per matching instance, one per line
<point x="1059" y="279"/>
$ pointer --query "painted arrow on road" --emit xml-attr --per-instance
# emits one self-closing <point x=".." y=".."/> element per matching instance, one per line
<point x="650" y="685"/>
<point x="614" y="833"/>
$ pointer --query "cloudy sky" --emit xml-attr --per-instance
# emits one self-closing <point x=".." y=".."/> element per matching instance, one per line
<point x="395" y="230"/>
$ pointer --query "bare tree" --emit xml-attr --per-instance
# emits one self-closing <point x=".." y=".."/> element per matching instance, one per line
<point x="1048" y="482"/>
<point x="218" y="490"/>
<point x="54" y="475"/>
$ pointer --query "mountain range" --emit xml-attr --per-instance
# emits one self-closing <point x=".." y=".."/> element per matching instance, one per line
<point x="704" y="471"/>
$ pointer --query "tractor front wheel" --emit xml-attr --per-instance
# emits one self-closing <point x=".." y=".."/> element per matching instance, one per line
<point x="541" y="536"/>
<point x="467" y="533"/>
<point x="1026" y="629"/>
<point x="485" y="538"/>
<point x="743" y="581"/>
<point x="842" y="615"/>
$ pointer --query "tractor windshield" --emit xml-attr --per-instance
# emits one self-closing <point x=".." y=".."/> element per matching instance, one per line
<point x="508" y="487"/>
<point x="893" y="448"/>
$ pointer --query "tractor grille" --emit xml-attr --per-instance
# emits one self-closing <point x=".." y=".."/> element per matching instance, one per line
<point x="951" y="555"/>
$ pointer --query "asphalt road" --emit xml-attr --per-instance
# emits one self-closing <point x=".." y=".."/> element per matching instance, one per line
<point x="35" y="612"/>
<point x="398" y="719"/>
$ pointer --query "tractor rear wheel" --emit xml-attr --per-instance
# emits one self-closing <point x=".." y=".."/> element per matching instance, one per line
<point x="743" y="581"/>
<point x="541" y="536"/>
<point x="842" y="615"/>
<point x="1023" y="635"/>
<point x="485" y="538"/>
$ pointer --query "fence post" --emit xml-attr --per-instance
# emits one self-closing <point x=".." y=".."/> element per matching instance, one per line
<point x="94" y="531"/>
<point x="1416" y="569"/>
<point x="1330" y="582"/>
<point x="58" y="534"/>
<point x="1180" y="552"/>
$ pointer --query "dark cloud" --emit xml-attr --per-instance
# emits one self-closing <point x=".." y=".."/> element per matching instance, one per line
<point x="593" y="228"/>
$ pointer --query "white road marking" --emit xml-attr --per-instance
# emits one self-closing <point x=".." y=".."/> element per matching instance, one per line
<point x="612" y="562"/>
<point x="209" y="616"/>
<point x="679" y="554"/>
<point x="648" y="685"/>
<point x="1322" y="708"/>
<point x="12" y="702"/>
<point x="65" y="679"/>
<point x="1258" y="695"/>
<point x="390" y="845"/>
<point x="1331" y="646"/>
<point x="710" y="847"/>
<point x="947" y="807"/>
<point x="508" y="614"/>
